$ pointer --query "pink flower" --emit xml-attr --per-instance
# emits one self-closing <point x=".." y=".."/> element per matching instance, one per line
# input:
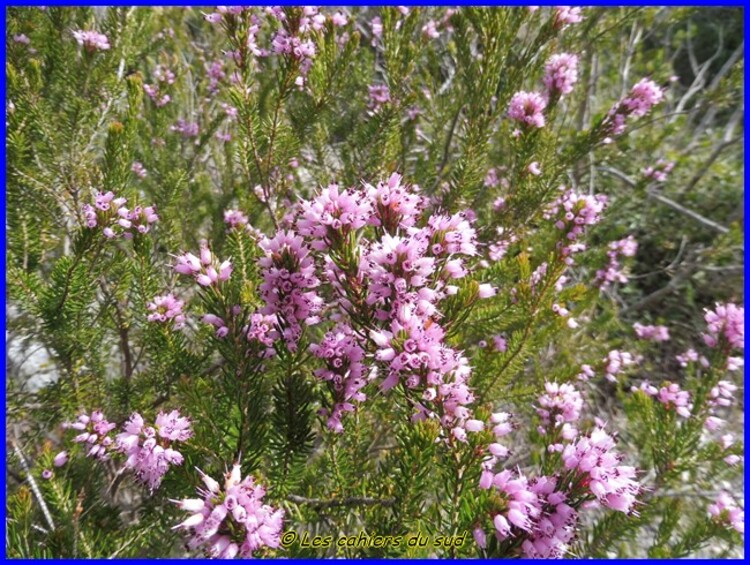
<point x="332" y="216"/>
<point x="573" y="212"/>
<point x="594" y="457"/>
<point x="60" y="459"/>
<point x="139" y="170"/>
<point x="566" y="15"/>
<point x="187" y="129"/>
<point x="652" y="333"/>
<point x="235" y="219"/>
<point x="559" y="404"/>
<point x="491" y="180"/>
<point x="430" y="30"/>
<point x="379" y="96"/>
<point x="231" y="520"/>
<point x="344" y="371"/>
<point x="480" y="537"/>
<point x="725" y="510"/>
<point x="486" y="291"/>
<point x="221" y="327"/>
<point x="165" y="308"/>
<point x="474" y="425"/>
<point x="288" y="273"/>
<point x="91" y="40"/>
<point x="94" y="434"/>
<point x="627" y="247"/>
<point x="395" y="205"/>
<point x="726" y="322"/>
<point x="659" y="171"/>
<point x="527" y="108"/>
<point x="173" y="427"/>
<point x="500" y="343"/>
<point x="207" y="270"/>
<point x="535" y="169"/>
<point x="673" y="397"/>
<point x="643" y="96"/>
<point x="148" y="449"/>
<point x="116" y="219"/>
<point x="713" y="423"/>
<point x="339" y="19"/>
<point x="615" y="363"/>
<point x="377" y="29"/>
<point x="561" y="73"/>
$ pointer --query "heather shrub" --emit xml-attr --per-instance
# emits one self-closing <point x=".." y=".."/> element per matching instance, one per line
<point x="374" y="282"/>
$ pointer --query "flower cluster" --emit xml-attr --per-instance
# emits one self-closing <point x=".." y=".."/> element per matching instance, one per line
<point x="185" y="128"/>
<point x="644" y="95"/>
<point x="231" y="520"/>
<point x="94" y="430"/>
<point x="288" y="273"/>
<point x="235" y="219"/>
<point x="540" y="514"/>
<point x="615" y="362"/>
<point x="691" y="356"/>
<point x="560" y="74"/>
<point x="165" y="308"/>
<point x="627" y="247"/>
<point x="612" y="365"/>
<point x="331" y="216"/>
<point x="92" y="40"/>
<point x="139" y="170"/>
<point x="395" y="205"/>
<point x="727" y="323"/>
<point x="651" y="333"/>
<point x="560" y="404"/>
<point x="395" y="280"/>
<point x="567" y="15"/>
<point x="725" y="510"/>
<point x="261" y="332"/>
<point x="379" y="95"/>
<point x="344" y="371"/>
<point x="149" y="449"/>
<point x="721" y="395"/>
<point x="222" y="330"/>
<point x="528" y="108"/>
<point x="573" y="212"/>
<point x="594" y="458"/>
<point x="116" y="219"/>
<point x="206" y="269"/>
<point x="536" y="512"/>
<point x="271" y="31"/>
<point x="670" y="395"/>
<point x="499" y="248"/>
<point x="659" y="171"/>
<point x="299" y="48"/>
<point x="492" y="179"/>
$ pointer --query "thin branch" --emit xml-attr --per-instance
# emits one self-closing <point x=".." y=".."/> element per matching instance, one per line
<point x="654" y="297"/>
<point x="687" y="212"/>
<point x="715" y="155"/>
<point x="341" y="502"/>
<point x="33" y="485"/>
<point x="446" y="150"/>
<point x="667" y="201"/>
